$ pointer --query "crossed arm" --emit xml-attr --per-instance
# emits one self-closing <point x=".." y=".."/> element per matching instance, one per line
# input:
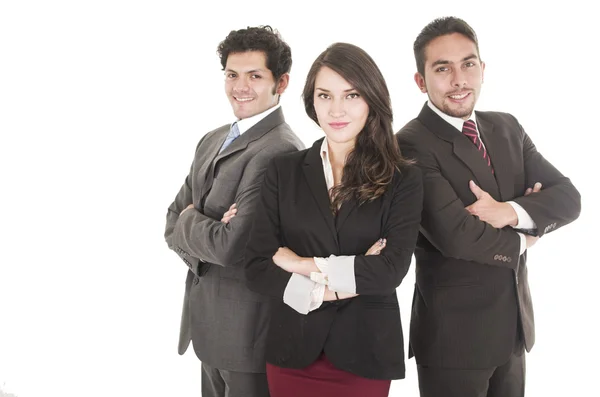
<point x="269" y="267"/>
<point x="478" y="232"/>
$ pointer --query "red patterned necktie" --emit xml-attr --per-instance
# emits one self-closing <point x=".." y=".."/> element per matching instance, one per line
<point x="470" y="130"/>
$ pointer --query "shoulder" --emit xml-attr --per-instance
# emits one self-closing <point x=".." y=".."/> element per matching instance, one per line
<point x="210" y="136"/>
<point x="408" y="174"/>
<point x="411" y="130"/>
<point x="283" y="135"/>
<point x="407" y="184"/>
<point x="289" y="160"/>
<point x="497" y="117"/>
<point x="216" y="132"/>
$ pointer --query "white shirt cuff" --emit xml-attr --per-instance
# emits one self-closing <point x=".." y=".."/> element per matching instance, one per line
<point x="298" y="293"/>
<point x="524" y="221"/>
<point x="523" y="243"/>
<point x="320" y="277"/>
<point x="340" y="273"/>
<point x="316" y="297"/>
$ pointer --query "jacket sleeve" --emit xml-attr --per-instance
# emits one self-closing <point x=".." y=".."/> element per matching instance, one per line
<point x="262" y="275"/>
<point x="383" y="273"/>
<point x="448" y="226"/>
<point x="215" y="242"/>
<point x="182" y="200"/>
<point x="558" y="203"/>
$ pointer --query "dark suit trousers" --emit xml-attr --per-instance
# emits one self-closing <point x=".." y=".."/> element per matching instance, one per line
<point x="221" y="383"/>
<point x="507" y="380"/>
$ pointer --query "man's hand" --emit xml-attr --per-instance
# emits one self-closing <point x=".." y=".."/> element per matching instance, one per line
<point x="536" y="188"/>
<point x="229" y="214"/>
<point x="330" y="295"/>
<point x="495" y="213"/>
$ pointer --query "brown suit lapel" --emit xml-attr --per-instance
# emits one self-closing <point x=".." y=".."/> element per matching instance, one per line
<point x="500" y="155"/>
<point x="463" y="149"/>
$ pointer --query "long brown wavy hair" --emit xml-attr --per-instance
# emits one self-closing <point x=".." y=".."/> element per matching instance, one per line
<point x="370" y="166"/>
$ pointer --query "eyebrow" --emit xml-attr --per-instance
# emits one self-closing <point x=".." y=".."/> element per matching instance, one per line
<point x="249" y="71"/>
<point x="325" y="90"/>
<point x="445" y="62"/>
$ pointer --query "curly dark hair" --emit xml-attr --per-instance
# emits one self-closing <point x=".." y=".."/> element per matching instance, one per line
<point x="440" y="27"/>
<point x="370" y="166"/>
<point x="261" y="38"/>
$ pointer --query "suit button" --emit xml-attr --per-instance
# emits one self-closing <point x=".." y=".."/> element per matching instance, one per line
<point x="196" y="280"/>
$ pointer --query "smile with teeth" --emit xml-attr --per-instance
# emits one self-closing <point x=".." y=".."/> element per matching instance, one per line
<point x="459" y="96"/>
<point x="243" y="99"/>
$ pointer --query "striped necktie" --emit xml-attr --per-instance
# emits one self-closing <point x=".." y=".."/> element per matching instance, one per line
<point x="470" y="131"/>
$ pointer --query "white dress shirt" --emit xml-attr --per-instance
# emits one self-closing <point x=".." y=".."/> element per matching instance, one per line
<point x="245" y="124"/>
<point x="524" y="220"/>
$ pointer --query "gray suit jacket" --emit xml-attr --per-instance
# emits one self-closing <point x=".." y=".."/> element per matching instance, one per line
<point x="225" y="320"/>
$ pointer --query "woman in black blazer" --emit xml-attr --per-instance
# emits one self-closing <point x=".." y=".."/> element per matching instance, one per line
<point x="335" y="324"/>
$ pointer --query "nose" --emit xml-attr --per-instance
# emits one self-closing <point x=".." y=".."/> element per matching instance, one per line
<point x="241" y="85"/>
<point x="459" y="78"/>
<point x="336" y="108"/>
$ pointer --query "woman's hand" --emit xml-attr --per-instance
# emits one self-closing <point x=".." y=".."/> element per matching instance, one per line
<point x="287" y="259"/>
<point x="377" y="247"/>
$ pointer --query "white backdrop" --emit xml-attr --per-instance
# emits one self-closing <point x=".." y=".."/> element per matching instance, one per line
<point x="102" y="104"/>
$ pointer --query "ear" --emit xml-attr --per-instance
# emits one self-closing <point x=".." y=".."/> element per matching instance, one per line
<point x="420" y="80"/>
<point x="282" y="84"/>
<point x="482" y="70"/>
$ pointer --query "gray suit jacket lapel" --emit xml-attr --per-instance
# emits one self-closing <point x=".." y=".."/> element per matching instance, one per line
<point x="254" y="133"/>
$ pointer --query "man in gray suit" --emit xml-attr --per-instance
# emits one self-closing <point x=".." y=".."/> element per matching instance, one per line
<point x="225" y="320"/>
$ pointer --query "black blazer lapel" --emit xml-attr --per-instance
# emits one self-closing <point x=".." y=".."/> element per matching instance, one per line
<point x="315" y="178"/>
<point x="463" y="149"/>
<point x="499" y="151"/>
<point x="345" y="210"/>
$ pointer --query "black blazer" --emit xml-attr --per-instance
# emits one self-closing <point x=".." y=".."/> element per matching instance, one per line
<point x="362" y="335"/>
<point x="472" y="299"/>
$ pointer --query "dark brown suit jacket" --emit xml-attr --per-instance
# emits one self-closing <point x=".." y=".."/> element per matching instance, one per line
<point x="471" y="299"/>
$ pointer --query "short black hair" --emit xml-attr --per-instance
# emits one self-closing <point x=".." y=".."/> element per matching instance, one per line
<point x="261" y="38"/>
<point x="441" y="27"/>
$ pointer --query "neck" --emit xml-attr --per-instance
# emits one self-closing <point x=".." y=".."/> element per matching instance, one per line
<point x="338" y="152"/>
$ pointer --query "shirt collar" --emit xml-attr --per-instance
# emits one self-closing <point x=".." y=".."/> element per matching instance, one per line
<point x="245" y="124"/>
<point x="456" y="122"/>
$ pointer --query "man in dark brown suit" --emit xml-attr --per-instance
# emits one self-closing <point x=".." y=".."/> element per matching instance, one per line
<point x="488" y="196"/>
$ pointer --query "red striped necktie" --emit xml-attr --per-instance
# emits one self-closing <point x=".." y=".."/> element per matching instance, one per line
<point x="470" y="130"/>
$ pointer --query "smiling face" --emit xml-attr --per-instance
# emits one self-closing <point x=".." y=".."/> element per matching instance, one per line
<point x="341" y="111"/>
<point x="250" y="85"/>
<point x="453" y="75"/>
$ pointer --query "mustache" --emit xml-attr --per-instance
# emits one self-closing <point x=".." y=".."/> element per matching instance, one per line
<point x="463" y="91"/>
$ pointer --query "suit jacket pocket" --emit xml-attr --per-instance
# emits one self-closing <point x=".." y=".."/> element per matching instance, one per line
<point x="234" y="289"/>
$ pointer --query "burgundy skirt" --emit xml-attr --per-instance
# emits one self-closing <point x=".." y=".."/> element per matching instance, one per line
<point x="321" y="378"/>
